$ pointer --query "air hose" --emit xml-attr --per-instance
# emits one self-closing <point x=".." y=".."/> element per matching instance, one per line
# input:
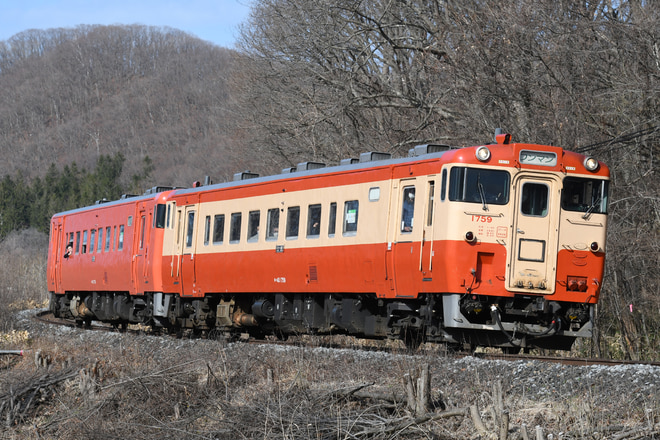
<point x="550" y="331"/>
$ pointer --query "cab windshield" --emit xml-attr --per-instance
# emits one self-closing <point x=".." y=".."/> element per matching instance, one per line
<point x="585" y="195"/>
<point x="479" y="185"/>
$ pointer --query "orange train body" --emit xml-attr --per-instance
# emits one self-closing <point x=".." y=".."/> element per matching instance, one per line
<point x="499" y="245"/>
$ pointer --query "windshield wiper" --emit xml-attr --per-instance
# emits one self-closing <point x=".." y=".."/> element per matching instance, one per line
<point x="591" y="208"/>
<point x="482" y="194"/>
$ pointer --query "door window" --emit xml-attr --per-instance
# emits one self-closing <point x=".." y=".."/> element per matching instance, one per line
<point x="189" y="231"/>
<point x="534" y="199"/>
<point x="408" y="209"/>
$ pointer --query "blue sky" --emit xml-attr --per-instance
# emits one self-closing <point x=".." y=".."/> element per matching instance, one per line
<point x="215" y="21"/>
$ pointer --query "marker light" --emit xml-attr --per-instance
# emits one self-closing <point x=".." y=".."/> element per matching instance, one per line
<point x="469" y="237"/>
<point x="591" y="164"/>
<point x="594" y="246"/>
<point x="483" y="154"/>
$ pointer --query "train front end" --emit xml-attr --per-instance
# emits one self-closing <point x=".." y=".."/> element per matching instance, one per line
<point x="532" y="220"/>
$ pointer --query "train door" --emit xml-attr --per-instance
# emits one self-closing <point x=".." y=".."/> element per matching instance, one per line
<point x="178" y="225"/>
<point x="533" y="256"/>
<point x="187" y="249"/>
<point x="140" y="249"/>
<point x="426" y="254"/>
<point x="405" y="247"/>
<point x="57" y="252"/>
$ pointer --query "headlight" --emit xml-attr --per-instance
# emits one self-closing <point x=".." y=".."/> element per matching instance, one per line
<point x="483" y="154"/>
<point x="591" y="164"/>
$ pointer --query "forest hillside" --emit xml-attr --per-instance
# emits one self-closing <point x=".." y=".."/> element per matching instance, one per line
<point x="74" y="95"/>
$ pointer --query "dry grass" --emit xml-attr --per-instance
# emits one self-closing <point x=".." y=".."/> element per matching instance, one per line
<point x="22" y="274"/>
<point x="141" y="386"/>
<point x="79" y="384"/>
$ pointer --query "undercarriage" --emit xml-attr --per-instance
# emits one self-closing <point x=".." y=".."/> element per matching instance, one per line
<point x="512" y="323"/>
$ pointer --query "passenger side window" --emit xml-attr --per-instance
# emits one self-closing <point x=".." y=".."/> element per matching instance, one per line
<point x="272" y="224"/>
<point x="207" y="230"/>
<point x="218" y="228"/>
<point x="100" y="242"/>
<point x="350" y="217"/>
<point x="292" y="222"/>
<point x="120" y="246"/>
<point x="313" y="221"/>
<point x="92" y="240"/>
<point x="253" y="226"/>
<point x="235" y="228"/>
<point x="108" y="231"/>
<point x="332" y="219"/>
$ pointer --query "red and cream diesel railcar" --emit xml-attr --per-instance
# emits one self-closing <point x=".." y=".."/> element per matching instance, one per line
<point x="497" y="245"/>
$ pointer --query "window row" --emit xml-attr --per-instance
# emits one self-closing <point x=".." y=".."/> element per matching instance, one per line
<point x="276" y="219"/>
<point x="97" y="240"/>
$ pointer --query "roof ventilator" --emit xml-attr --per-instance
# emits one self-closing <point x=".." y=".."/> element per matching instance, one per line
<point x="372" y="156"/>
<point x="420" y="150"/>
<point x="245" y="175"/>
<point x="306" y="166"/>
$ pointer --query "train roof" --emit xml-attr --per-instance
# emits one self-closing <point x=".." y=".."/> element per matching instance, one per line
<point x="367" y="161"/>
<point x="100" y="204"/>
<point x="378" y="160"/>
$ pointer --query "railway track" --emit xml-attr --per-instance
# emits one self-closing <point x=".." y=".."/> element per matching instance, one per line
<point x="48" y="318"/>
<point x="576" y="361"/>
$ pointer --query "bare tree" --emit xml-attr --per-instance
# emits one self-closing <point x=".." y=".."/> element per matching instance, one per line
<point x="319" y="81"/>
